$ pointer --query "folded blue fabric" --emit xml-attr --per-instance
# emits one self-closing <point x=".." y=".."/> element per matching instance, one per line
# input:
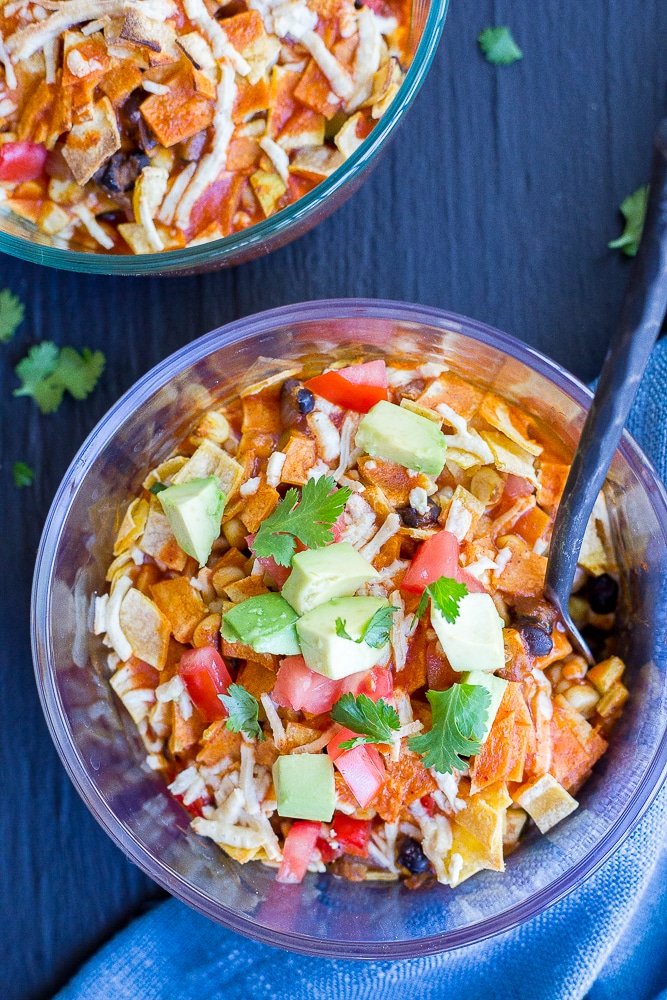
<point x="605" y="941"/>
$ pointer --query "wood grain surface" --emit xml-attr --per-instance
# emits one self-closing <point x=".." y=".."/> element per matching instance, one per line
<point x="496" y="200"/>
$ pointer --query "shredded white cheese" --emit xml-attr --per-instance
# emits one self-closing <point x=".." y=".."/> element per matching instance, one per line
<point x="115" y="636"/>
<point x="274" y="468"/>
<point x="382" y="535"/>
<point x="278" y="157"/>
<point x="250" y="487"/>
<point x="418" y="499"/>
<point x="326" y="434"/>
<point x="168" y="208"/>
<point x="93" y="227"/>
<point x="212" y="30"/>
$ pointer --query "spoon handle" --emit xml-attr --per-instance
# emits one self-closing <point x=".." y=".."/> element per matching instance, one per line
<point x="640" y="322"/>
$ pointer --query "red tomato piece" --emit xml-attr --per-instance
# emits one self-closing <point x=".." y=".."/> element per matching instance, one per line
<point x="22" y="161"/>
<point x="375" y="683"/>
<point x="298" y="850"/>
<point x="194" y="808"/>
<point x="304" y="690"/>
<point x="517" y="486"/>
<point x="438" y="556"/>
<point x="352" y="834"/>
<point x="358" y="387"/>
<point x="428" y="803"/>
<point x="205" y="675"/>
<point x="327" y="851"/>
<point x="362" y="767"/>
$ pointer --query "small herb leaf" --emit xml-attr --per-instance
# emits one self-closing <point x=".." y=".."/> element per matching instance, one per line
<point x="633" y="210"/>
<point x="48" y="371"/>
<point x="12" y="312"/>
<point x="375" y="632"/>
<point x="499" y="46"/>
<point x="446" y="594"/>
<point x="308" y="517"/>
<point x="459" y="720"/>
<point x="243" y="711"/>
<point x="23" y="474"/>
<point x="375" y="722"/>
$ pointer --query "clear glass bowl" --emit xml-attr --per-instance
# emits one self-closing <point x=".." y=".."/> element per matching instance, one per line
<point x="22" y="239"/>
<point x="100" y="748"/>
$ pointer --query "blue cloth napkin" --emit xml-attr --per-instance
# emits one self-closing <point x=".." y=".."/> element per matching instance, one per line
<point x="605" y="941"/>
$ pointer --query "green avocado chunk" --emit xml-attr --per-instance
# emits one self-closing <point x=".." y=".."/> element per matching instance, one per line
<point x="496" y="687"/>
<point x="304" y="784"/>
<point x="330" y="654"/>
<point x="194" y="510"/>
<point x="396" y="434"/>
<point x="474" y="641"/>
<point x="318" y="575"/>
<point x="265" y="622"/>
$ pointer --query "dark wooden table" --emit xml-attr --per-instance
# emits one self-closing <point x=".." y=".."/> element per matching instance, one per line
<point x="497" y="200"/>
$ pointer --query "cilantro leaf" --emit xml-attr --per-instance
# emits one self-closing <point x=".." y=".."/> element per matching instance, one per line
<point x="446" y="594"/>
<point x="243" y="710"/>
<point x="633" y="210"/>
<point x="375" y="632"/>
<point x="48" y="371"/>
<point x="459" y="720"/>
<point x="23" y="474"/>
<point x="308" y="517"/>
<point x="12" y="312"/>
<point x="374" y="721"/>
<point x="499" y="46"/>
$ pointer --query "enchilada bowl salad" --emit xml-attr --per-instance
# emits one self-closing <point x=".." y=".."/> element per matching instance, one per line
<point x="325" y="616"/>
<point x="137" y="126"/>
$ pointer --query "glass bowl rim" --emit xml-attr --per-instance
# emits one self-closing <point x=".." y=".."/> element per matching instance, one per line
<point x="245" y="241"/>
<point x="102" y="434"/>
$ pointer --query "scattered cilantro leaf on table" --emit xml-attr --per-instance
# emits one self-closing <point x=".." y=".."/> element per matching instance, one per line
<point x="375" y="721"/>
<point x="459" y="720"/>
<point x="47" y="372"/>
<point x="23" y="474"/>
<point x="375" y="632"/>
<point x="12" y="312"/>
<point x="243" y="709"/>
<point x="633" y="210"/>
<point x="446" y="594"/>
<point x="308" y="518"/>
<point x="499" y="46"/>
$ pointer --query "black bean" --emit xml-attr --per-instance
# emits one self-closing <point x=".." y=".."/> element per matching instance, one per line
<point x="295" y="402"/>
<point x="538" y="642"/>
<point x="305" y="401"/>
<point x="412" y="857"/>
<point x="411" y="518"/>
<point x="602" y="593"/>
<point x="121" y="171"/>
<point x="597" y="641"/>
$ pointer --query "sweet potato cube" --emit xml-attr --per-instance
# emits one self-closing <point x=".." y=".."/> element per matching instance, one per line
<point x="181" y="604"/>
<point x="217" y="742"/>
<point x="257" y="679"/>
<point x="301" y="455"/>
<point x="120" y="81"/>
<point x="576" y="746"/>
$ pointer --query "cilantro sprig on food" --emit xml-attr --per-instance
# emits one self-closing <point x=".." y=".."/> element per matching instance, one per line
<point x="458" y="725"/>
<point x="308" y="517"/>
<point x="12" y="312"/>
<point x="498" y="46"/>
<point x="446" y="594"/>
<point x="375" y="721"/>
<point x="243" y="709"/>
<point x="633" y="210"/>
<point x="375" y="632"/>
<point x="48" y="371"/>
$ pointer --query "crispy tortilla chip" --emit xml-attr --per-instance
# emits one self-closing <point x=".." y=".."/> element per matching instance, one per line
<point x="259" y="505"/>
<point x="449" y="388"/>
<point x="551" y="479"/>
<point x="90" y="143"/>
<point x="184" y="732"/>
<point x="181" y="604"/>
<point x="240" y="590"/>
<point x="502" y="756"/>
<point x="243" y="652"/>
<point x="510" y="457"/>
<point x="394" y="480"/>
<point x="217" y="742"/>
<point x="209" y="460"/>
<point x="484" y="819"/>
<point x="406" y="781"/>
<point x="300" y="457"/>
<point x="165" y="471"/>
<point x="510" y="421"/>
<point x="145" y="627"/>
<point x="298" y="735"/>
<point x="314" y="90"/>
<point x="523" y="576"/>
<point x="576" y="746"/>
<point x="180" y="113"/>
<point x="159" y="542"/>
<point x="545" y="801"/>
<point x="132" y="525"/>
<point x="257" y="679"/>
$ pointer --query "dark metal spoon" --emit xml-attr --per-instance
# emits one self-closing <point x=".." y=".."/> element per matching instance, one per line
<point x="641" y="318"/>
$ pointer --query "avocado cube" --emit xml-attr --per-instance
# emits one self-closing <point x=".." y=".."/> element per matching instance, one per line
<point x="474" y="641"/>
<point x="265" y="622"/>
<point x="194" y="510"/>
<point x="396" y="434"/>
<point x="330" y="654"/>
<point x="304" y="784"/>
<point x="318" y="575"/>
<point x="496" y="687"/>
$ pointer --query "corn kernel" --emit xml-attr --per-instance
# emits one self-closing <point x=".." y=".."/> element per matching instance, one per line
<point x="605" y="674"/>
<point x="214" y="426"/>
<point x="234" y="531"/>
<point x="583" y="698"/>
<point x="613" y="700"/>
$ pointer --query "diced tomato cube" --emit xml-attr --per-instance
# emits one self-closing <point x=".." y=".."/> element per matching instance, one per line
<point x="22" y="161"/>
<point x="352" y="834"/>
<point x="298" y="850"/>
<point x="205" y="675"/>
<point x="362" y="767"/>
<point x="438" y="556"/>
<point x="304" y="690"/>
<point x="358" y="387"/>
